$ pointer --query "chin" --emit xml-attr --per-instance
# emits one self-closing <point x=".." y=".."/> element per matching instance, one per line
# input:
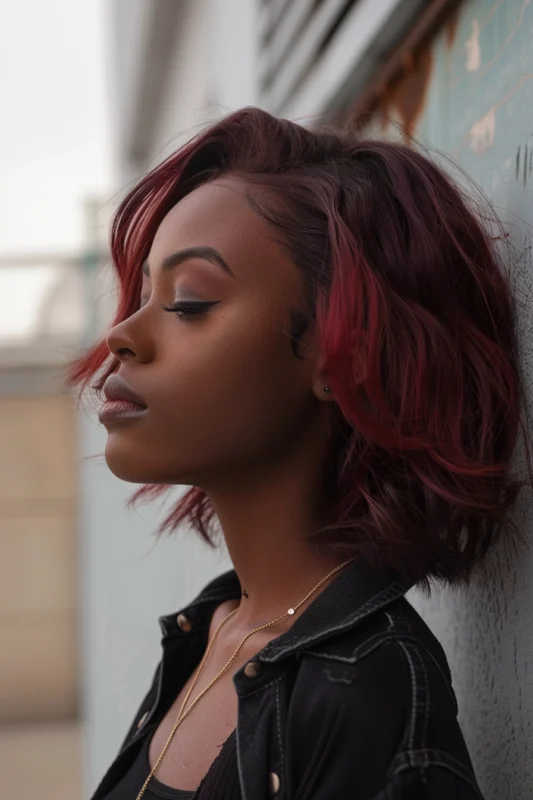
<point x="128" y="472"/>
<point x="128" y="465"/>
<point x="133" y="464"/>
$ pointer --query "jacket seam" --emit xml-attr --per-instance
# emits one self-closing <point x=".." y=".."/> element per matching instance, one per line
<point x="261" y="688"/>
<point x="242" y="782"/>
<point x="402" y="617"/>
<point x="401" y="614"/>
<point x="446" y="679"/>
<point x="278" y="718"/>
<point x="391" y="592"/>
<point x="383" y="637"/>
<point x="357" y="654"/>
<point x="457" y="768"/>
<point x="414" y="702"/>
<point x="427" y="695"/>
<point x="387" y="635"/>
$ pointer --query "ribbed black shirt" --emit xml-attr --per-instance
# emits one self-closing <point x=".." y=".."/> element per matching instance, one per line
<point x="221" y="782"/>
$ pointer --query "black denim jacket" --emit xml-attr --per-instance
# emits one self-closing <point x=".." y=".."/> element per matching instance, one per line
<point x="354" y="701"/>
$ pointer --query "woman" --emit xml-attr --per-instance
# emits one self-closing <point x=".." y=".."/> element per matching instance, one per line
<point x="314" y="334"/>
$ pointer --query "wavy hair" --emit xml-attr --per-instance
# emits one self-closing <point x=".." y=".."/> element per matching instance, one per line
<point x="416" y="320"/>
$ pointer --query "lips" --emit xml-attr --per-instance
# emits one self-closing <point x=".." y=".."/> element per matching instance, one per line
<point x="121" y="404"/>
<point x="115" y="388"/>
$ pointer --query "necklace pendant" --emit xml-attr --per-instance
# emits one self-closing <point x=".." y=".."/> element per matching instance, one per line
<point x="290" y="611"/>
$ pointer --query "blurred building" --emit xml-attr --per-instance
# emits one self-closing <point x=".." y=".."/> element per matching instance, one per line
<point x="42" y="318"/>
<point x="458" y="77"/>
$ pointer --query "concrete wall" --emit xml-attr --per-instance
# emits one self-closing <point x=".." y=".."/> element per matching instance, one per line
<point x="469" y="94"/>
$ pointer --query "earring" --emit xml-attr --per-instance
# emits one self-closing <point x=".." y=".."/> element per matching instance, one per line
<point x="327" y="389"/>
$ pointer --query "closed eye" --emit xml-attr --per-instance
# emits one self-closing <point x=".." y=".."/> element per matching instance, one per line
<point x="189" y="308"/>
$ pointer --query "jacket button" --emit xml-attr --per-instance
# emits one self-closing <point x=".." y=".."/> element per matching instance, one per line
<point x="253" y="669"/>
<point x="273" y="783"/>
<point x="142" y="719"/>
<point x="184" y="623"/>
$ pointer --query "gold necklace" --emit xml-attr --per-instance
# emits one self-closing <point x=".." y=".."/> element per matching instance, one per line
<point x="181" y="715"/>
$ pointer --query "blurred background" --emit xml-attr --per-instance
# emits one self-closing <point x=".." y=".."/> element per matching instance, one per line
<point x="94" y="94"/>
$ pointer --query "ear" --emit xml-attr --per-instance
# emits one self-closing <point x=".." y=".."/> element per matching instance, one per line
<point x="358" y="366"/>
<point x="311" y="352"/>
<point x="320" y="380"/>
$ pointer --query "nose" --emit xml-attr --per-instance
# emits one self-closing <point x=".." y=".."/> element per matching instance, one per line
<point x="130" y="340"/>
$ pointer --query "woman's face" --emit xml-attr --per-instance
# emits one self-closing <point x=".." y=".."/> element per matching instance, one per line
<point x="224" y="394"/>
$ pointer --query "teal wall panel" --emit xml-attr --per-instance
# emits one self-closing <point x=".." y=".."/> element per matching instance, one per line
<point x="472" y="99"/>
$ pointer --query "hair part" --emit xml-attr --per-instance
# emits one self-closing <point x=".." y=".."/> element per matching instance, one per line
<point x="417" y="324"/>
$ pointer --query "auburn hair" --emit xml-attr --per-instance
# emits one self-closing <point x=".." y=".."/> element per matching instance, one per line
<point x="415" y="314"/>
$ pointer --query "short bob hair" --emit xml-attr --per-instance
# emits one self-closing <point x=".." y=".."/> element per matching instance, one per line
<point x="416" y="322"/>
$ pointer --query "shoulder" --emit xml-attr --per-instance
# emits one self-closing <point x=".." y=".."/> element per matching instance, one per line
<point x="364" y="678"/>
<point x="381" y="695"/>
<point x="393" y="663"/>
<point x="392" y="637"/>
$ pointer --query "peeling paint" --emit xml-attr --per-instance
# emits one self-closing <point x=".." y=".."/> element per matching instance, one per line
<point x="394" y="87"/>
<point x="407" y="96"/>
<point x="482" y="132"/>
<point x="451" y="29"/>
<point x="524" y="163"/>
<point x="512" y="32"/>
<point x="473" y="48"/>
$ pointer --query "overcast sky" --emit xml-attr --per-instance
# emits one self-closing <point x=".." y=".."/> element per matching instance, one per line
<point x="55" y="121"/>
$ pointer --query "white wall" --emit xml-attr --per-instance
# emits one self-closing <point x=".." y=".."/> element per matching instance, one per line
<point x="129" y="580"/>
<point x="211" y="72"/>
<point x="189" y="84"/>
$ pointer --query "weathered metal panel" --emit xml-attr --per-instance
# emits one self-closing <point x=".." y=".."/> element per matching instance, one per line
<point x="469" y="94"/>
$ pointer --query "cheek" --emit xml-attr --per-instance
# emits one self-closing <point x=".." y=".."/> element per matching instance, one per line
<point x="220" y="402"/>
<point x="235" y="398"/>
<point x="234" y="389"/>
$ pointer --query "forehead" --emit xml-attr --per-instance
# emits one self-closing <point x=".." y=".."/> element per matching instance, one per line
<point x="217" y="214"/>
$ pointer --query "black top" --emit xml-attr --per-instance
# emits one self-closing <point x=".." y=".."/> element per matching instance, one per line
<point x="355" y="700"/>
<point x="221" y="782"/>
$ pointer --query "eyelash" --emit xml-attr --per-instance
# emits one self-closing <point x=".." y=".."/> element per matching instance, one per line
<point x="189" y="308"/>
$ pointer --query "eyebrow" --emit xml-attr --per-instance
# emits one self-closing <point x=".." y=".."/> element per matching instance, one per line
<point x="188" y="253"/>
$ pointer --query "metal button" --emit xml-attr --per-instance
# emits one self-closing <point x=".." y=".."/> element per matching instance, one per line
<point x="142" y="719"/>
<point x="273" y="783"/>
<point x="253" y="669"/>
<point x="184" y="623"/>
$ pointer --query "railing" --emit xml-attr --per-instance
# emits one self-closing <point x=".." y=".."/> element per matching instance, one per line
<point x="50" y="305"/>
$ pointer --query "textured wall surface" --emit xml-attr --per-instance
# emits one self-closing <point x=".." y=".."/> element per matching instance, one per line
<point x="470" y="95"/>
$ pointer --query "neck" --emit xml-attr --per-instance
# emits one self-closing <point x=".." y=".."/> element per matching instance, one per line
<point x="277" y="579"/>
<point x="265" y="530"/>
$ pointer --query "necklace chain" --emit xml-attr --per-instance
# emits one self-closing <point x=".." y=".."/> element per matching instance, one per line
<point x="181" y="714"/>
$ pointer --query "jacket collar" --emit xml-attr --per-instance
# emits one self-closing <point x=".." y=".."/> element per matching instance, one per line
<point x="358" y="591"/>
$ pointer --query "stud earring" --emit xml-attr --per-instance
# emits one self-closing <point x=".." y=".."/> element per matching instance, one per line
<point x="327" y="389"/>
